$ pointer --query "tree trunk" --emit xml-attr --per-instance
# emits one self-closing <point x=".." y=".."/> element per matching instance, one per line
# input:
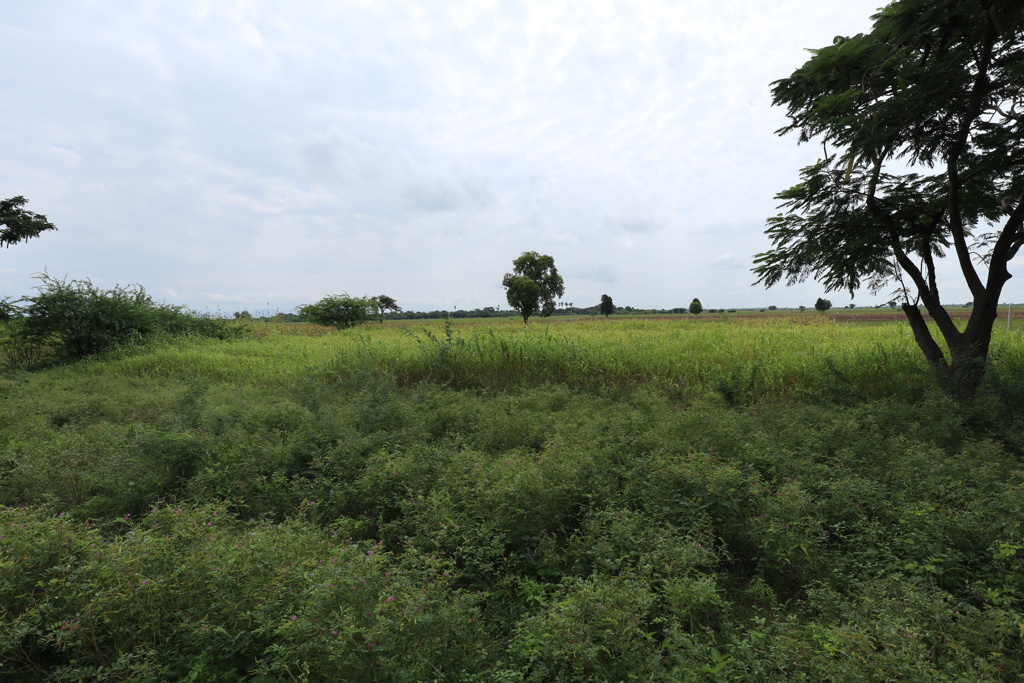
<point x="961" y="374"/>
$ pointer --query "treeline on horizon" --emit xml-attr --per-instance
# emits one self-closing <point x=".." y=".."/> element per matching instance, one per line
<point x="493" y="312"/>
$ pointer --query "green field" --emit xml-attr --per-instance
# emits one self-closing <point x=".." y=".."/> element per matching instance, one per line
<point x="785" y="497"/>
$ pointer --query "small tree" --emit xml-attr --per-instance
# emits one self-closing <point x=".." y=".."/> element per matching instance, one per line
<point x="822" y="305"/>
<point x="19" y="225"/>
<point x="386" y="303"/>
<point x="773" y="308"/>
<point x="339" y="310"/>
<point x="695" y="307"/>
<point x="607" y="307"/>
<point x="533" y="285"/>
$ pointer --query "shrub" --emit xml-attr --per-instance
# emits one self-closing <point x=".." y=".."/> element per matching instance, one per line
<point x="76" y="318"/>
<point x="339" y="310"/>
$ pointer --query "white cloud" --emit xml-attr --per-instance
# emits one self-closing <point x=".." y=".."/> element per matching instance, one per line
<point x="265" y="154"/>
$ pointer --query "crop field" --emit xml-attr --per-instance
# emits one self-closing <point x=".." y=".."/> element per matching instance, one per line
<point x="783" y="497"/>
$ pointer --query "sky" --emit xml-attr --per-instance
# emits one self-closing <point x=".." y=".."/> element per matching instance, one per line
<point x="259" y="155"/>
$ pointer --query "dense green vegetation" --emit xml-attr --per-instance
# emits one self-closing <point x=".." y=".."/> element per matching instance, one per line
<point x="788" y="498"/>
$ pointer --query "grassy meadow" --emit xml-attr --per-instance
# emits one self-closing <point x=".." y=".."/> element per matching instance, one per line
<point x="785" y="497"/>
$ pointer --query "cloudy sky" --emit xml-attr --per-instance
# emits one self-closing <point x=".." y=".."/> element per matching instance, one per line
<point x="231" y="154"/>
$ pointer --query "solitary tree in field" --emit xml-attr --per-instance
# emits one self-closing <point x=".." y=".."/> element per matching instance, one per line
<point x="695" y="307"/>
<point x="607" y="307"/>
<point x="922" y="126"/>
<point x="383" y="302"/>
<point x="533" y="285"/>
<point x="822" y="305"/>
<point x="19" y="225"/>
<point x="339" y="310"/>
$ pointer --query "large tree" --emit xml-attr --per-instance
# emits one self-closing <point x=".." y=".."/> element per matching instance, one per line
<point x="533" y="285"/>
<point x="18" y="224"/>
<point x="607" y="305"/>
<point x="921" y="126"/>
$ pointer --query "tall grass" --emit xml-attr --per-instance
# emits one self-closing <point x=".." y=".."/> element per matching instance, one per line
<point x="770" y="358"/>
<point x="759" y="359"/>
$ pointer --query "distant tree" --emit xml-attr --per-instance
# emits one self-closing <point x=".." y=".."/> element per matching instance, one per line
<point x="607" y="307"/>
<point x="695" y="307"/>
<point x="802" y="308"/>
<point x="533" y="285"/>
<point x="243" y="315"/>
<point x="339" y="310"/>
<point x="851" y="305"/>
<point x="773" y="308"/>
<point x="822" y="305"/>
<point x="523" y="294"/>
<point x="383" y="302"/>
<point x="19" y="225"/>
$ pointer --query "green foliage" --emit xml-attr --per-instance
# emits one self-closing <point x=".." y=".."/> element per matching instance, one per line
<point x="386" y="303"/>
<point x="18" y="224"/>
<point x="822" y="305"/>
<point x="522" y="294"/>
<point x="285" y="601"/>
<point x="339" y="310"/>
<point x="397" y="507"/>
<point x="533" y="285"/>
<point x="75" y="319"/>
<point x="921" y="117"/>
<point x="607" y="306"/>
<point x="695" y="306"/>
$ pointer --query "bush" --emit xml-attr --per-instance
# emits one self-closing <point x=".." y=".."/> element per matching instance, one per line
<point x="76" y="318"/>
<point x="339" y="310"/>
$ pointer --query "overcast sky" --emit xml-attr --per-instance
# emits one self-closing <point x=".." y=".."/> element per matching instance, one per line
<point x="231" y="154"/>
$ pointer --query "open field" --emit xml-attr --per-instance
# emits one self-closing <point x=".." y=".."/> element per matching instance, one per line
<point x="786" y="497"/>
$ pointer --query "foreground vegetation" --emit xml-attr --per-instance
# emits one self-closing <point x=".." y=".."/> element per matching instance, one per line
<point x="592" y="500"/>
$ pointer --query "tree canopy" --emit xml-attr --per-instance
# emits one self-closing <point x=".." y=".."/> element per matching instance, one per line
<point x="339" y="310"/>
<point x="383" y="303"/>
<point x="920" y="121"/>
<point x="533" y="285"/>
<point x="607" y="306"/>
<point x="696" y="307"/>
<point x="18" y="224"/>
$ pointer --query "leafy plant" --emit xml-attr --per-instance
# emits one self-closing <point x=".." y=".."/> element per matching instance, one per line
<point x="533" y="285"/>
<point x="76" y="318"/>
<point x="18" y="224"/>
<point x="921" y="124"/>
<point x="340" y="310"/>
